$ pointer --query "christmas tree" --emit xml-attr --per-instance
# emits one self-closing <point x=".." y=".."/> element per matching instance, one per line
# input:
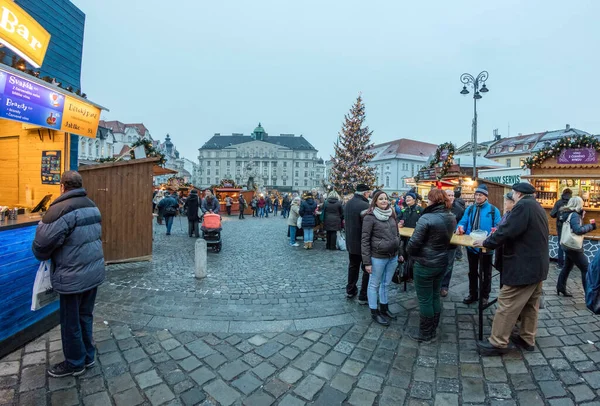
<point x="352" y="152"/>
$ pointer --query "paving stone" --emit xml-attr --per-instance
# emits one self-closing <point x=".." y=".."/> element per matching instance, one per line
<point x="120" y="383"/>
<point x="330" y="397"/>
<point x="447" y="371"/>
<point x="258" y="340"/>
<point x="522" y="382"/>
<point x="268" y="349"/>
<point x="582" y="393"/>
<point x="570" y="377"/>
<point x="9" y="368"/>
<point x="561" y="402"/>
<point x="92" y="385"/>
<point x="530" y="398"/>
<point x="514" y="366"/>
<point x="320" y="348"/>
<point x="289" y="352"/>
<point x="471" y="370"/>
<point x="200" y="349"/>
<point x="352" y="368"/>
<point x="473" y="391"/>
<point x="33" y="398"/>
<point x="141" y="366"/>
<point x="447" y="385"/>
<point x="593" y="379"/>
<point x="446" y="399"/>
<point x="179" y="353"/>
<point x="276" y="387"/>
<point x="495" y="375"/>
<point x="55" y="384"/>
<point x="552" y="389"/>
<point x="344" y="347"/>
<point x="377" y="368"/>
<point x="107" y="346"/>
<point x="221" y="392"/>
<point x="370" y="382"/>
<point x="259" y="398"/>
<point x="543" y="373"/>
<point x="170" y="344"/>
<point x="424" y="374"/>
<point x="392" y="396"/>
<point x="202" y="375"/>
<point x="361" y="397"/>
<point x="233" y="369"/>
<point x="192" y="397"/>
<point x="246" y="383"/>
<point x="215" y="360"/>
<point x="279" y="361"/>
<point x="264" y="370"/>
<point x="290" y="400"/>
<point x="335" y="358"/>
<point x="65" y="398"/>
<point x="343" y="382"/>
<point x="6" y="396"/>
<point x="421" y="390"/>
<point x="244" y="346"/>
<point x="574" y="354"/>
<point x="308" y="387"/>
<point x="130" y="397"/>
<point x="147" y="379"/>
<point x="121" y="332"/>
<point x="34" y="358"/>
<point x="163" y="335"/>
<point x="182" y="386"/>
<point x="134" y="354"/>
<point x="307" y="361"/>
<point x="32" y="378"/>
<point x="97" y="399"/>
<point x="159" y="394"/>
<point x="499" y="391"/>
<point x="190" y="363"/>
<point x="127" y="344"/>
<point x="110" y="358"/>
<point x="325" y="371"/>
<point x="174" y="377"/>
<point x="37" y="345"/>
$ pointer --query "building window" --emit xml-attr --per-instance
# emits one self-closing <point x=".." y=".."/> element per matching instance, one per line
<point x="508" y="163"/>
<point x="217" y="171"/>
<point x="285" y="154"/>
<point x="97" y="149"/>
<point x="297" y="164"/>
<point x="296" y="173"/>
<point x="228" y="172"/>
<point x="306" y="174"/>
<point x="216" y="181"/>
<point x="306" y="164"/>
<point x="238" y="164"/>
<point x="297" y="157"/>
<point x="228" y="154"/>
<point x="285" y="164"/>
<point x="208" y="171"/>
<point x="207" y="163"/>
<point x="525" y="147"/>
<point x="296" y="183"/>
<point x="284" y="182"/>
<point x="207" y="180"/>
<point x="413" y="169"/>
<point x="217" y="163"/>
<point x="90" y="148"/>
<point x="387" y="181"/>
<point x="305" y="157"/>
<point x="228" y="162"/>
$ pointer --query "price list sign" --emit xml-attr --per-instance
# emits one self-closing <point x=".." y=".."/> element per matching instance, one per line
<point x="51" y="167"/>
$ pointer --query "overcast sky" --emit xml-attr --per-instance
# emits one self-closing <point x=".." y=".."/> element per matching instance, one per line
<point x="194" y="68"/>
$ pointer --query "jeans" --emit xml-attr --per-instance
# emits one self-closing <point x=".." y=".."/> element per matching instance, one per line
<point x="285" y="212"/>
<point x="169" y="223"/>
<point x="267" y="208"/>
<point x="292" y="235"/>
<point x="354" y="265"/>
<point x="332" y="240"/>
<point x="572" y="258"/>
<point x="427" y="285"/>
<point x="308" y="234"/>
<point x="561" y="254"/>
<point x="382" y="270"/>
<point x="275" y="210"/>
<point x="261" y="211"/>
<point x="473" y="258"/>
<point x="449" y="269"/>
<point x="193" y="228"/>
<point x="76" y="322"/>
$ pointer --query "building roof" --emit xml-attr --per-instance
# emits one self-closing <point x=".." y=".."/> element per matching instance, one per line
<point x="288" y="140"/>
<point x="138" y="126"/>
<point x="119" y="127"/>
<point x="103" y="133"/>
<point x="519" y="145"/>
<point x="548" y="137"/>
<point x="404" y="148"/>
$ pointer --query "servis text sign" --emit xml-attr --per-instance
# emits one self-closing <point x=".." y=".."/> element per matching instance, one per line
<point x="22" y="34"/>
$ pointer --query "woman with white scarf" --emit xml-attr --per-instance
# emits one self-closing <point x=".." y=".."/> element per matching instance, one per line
<point x="379" y="248"/>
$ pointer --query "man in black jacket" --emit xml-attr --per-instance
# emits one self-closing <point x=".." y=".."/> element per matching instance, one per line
<point x="564" y="199"/>
<point x="353" y="218"/>
<point x="192" y="204"/>
<point x="525" y="266"/>
<point x="70" y="236"/>
<point x="457" y="210"/>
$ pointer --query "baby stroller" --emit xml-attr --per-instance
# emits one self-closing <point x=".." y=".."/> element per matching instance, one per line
<point x="211" y="231"/>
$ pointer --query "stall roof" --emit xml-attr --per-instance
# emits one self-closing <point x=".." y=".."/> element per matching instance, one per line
<point x="159" y="170"/>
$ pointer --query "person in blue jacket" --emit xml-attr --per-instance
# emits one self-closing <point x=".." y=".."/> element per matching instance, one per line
<point x="481" y="215"/>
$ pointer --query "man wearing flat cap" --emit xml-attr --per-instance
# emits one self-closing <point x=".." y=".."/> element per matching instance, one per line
<point x="353" y="217"/>
<point x="524" y="237"/>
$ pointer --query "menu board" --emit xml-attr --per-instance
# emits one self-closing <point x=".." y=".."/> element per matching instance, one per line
<point x="28" y="102"/>
<point x="51" y="167"/>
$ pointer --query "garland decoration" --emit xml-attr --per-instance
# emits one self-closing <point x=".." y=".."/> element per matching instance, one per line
<point x="437" y="158"/>
<point x="151" y="152"/>
<point x="178" y="182"/>
<point x="554" y="150"/>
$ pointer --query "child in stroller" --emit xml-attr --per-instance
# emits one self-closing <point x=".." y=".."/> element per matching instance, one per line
<point x="211" y="231"/>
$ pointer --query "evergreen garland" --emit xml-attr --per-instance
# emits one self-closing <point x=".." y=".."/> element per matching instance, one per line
<point x="554" y="150"/>
<point x="437" y="158"/>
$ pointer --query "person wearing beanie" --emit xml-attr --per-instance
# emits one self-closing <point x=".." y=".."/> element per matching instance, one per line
<point x="524" y="238"/>
<point x="409" y="216"/>
<point x="481" y="215"/>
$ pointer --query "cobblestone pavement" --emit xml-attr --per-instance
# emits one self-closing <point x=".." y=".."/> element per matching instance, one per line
<point x="358" y="363"/>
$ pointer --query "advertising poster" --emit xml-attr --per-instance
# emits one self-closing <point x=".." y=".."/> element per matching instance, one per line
<point x="51" y="167"/>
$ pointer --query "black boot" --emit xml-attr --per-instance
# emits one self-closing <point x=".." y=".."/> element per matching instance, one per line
<point x="379" y="319"/>
<point x="424" y="332"/>
<point x="436" y="323"/>
<point x="384" y="310"/>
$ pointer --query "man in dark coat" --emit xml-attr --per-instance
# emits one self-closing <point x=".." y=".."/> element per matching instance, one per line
<point x="192" y="204"/>
<point x="564" y="199"/>
<point x="525" y="266"/>
<point x="353" y="217"/>
<point x="169" y="206"/>
<point x="70" y="236"/>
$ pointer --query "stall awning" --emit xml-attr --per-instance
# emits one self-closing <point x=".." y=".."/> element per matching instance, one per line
<point x="562" y="176"/>
<point x="159" y="170"/>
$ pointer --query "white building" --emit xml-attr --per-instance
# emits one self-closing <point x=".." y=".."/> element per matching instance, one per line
<point x="91" y="149"/>
<point x="395" y="161"/>
<point x="126" y="134"/>
<point x="285" y="162"/>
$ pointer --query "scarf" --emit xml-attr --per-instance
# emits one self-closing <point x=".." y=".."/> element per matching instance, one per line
<point x="475" y="223"/>
<point x="382" y="215"/>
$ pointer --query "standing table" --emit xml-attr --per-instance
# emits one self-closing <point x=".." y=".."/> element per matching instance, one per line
<point x="465" y="241"/>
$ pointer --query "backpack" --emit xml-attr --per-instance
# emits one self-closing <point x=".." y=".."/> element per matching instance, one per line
<point x="592" y="286"/>
<point x="170" y="211"/>
<point x="568" y="238"/>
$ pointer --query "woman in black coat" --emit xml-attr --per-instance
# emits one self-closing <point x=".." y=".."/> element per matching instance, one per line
<point x="307" y="212"/>
<point x="332" y="218"/>
<point x="572" y="215"/>
<point x="191" y="206"/>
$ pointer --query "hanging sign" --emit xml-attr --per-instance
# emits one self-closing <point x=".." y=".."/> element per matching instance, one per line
<point x="22" y="34"/>
<point x="51" y="167"/>
<point x="31" y="103"/>
<point x="578" y="156"/>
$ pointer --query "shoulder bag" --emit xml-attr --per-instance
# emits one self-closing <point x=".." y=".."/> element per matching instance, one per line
<point x="568" y="238"/>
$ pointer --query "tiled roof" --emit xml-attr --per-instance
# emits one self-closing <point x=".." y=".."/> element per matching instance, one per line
<point x="551" y="136"/>
<point x="224" y="141"/>
<point x="404" y="148"/>
<point x="115" y="126"/>
<point x="140" y="127"/>
<point x="519" y="145"/>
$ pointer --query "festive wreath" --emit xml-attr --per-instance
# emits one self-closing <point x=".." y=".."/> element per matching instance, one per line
<point x="437" y="158"/>
<point x="554" y="150"/>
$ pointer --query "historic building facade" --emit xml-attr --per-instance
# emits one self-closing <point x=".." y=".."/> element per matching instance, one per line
<point x="285" y="162"/>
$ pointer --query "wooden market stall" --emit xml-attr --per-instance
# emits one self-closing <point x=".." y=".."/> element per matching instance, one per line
<point x="568" y="163"/>
<point x="123" y="193"/>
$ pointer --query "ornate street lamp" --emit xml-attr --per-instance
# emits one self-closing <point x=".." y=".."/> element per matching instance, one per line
<point x="478" y="86"/>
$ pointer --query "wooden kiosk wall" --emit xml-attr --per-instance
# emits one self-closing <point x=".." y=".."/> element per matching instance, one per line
<point x="123" y="193"/>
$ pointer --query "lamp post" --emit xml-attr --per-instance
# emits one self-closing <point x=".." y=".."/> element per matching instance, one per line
<point x="478" y="86"/>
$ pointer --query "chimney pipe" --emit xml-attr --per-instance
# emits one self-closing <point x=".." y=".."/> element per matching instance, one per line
<point x="568" y="127"/>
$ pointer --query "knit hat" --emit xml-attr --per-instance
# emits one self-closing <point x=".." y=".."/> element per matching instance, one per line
<point x="482" y="189"/>
<point x="411" y="194"/>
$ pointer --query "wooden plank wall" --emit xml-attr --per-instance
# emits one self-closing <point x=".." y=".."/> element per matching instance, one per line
<point x="18" y="268"/>
<point x="123" y="193"/>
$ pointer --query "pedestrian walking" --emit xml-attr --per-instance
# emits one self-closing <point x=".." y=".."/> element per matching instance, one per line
<point x="307" y="212"/>
<point x="191" y="206"/>
<point x="169" y="207"/>
<point x="228" y="204"/>
<point x="70" y="236"/>
<point x="285" y="205"/>
<point x="555" y="214"/>
<point x="254" y="205"/>
<point x="457" y="210"/>
<point x="333" y="215"/>
<point x="481" y="215"/>
<point x="429" y="247"/>
<point x="275" y="206"/>
<point x="380" y="242"/>
<point x="293" y="221"/>
<point x="572" y="216"/>
<point x="268" y="205"/>
<point x="159" y="196"/>
<point x="242" y="205"/>
<point x="525" y="266"/>
<point x="353" y="218"/>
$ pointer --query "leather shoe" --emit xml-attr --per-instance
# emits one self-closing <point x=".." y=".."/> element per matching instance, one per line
<point x="470" y="299"/>
<point x="444" y="292"/>
<point x="486" y="348"/>
<point x="519" y="342"/>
